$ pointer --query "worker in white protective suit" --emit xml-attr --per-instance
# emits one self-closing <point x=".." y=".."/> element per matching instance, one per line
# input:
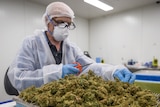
<point x="48" y="55"/>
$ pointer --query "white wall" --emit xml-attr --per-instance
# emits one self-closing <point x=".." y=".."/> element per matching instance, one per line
<point x="130" y="34"/>
<point x="81" y="34"/>
<point x="19" y="18"/>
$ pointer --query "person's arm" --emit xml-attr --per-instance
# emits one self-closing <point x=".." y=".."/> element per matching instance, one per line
<point x="110" y="72"/>
<point x="26" y="70"/>
<point x="106" y="71"/>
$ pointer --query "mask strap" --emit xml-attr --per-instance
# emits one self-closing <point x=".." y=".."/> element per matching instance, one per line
<point x="50" y="32"/>
<point x="51" y="22"/>
<point x="48" y="17"/>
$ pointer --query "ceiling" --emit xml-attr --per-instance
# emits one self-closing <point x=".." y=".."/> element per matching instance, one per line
<point x="87" y="11"/>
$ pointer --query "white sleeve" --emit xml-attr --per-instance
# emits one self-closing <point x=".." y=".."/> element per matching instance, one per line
<point x="106" y="71"/>
<point x="52" y="72"/>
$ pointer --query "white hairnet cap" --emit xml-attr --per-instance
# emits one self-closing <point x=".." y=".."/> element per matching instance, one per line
<point x="58" y="9"/>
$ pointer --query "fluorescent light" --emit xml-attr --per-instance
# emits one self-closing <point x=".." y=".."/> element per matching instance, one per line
<point x="99" y="4"/>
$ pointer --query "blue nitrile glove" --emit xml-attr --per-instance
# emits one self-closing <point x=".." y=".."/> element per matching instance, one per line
<point x="69" y="69"/>
<point x="125" y="75"/>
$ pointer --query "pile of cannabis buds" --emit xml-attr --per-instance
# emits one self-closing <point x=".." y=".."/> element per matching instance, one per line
<point x="88" y="91"/>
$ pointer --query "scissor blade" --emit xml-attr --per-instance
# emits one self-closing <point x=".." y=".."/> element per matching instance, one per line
<point x="86" y="65"/>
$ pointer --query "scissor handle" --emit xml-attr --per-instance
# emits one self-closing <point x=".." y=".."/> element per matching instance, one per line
<point x="79" y="66"/>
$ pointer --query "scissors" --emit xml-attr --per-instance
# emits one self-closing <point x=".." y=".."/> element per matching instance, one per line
<point x="79" y="66"/>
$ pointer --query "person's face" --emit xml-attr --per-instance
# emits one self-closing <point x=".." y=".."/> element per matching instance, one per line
<point x="59" y="20"/>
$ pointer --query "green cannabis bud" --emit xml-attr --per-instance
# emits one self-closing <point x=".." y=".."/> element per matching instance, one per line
<point x="88" y="90"/>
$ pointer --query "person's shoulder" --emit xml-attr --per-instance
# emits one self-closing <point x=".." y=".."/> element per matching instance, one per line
<point x="29" y="38"/>
<point x="35" y="35"/>
<point x="33" y="38"/>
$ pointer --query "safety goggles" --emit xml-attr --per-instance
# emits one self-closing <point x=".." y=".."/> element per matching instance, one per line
<point x="70" y="26"/>
<point x="63" y="25"/>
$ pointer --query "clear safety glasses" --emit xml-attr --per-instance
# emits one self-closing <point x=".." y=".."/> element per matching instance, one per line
<point x="70" y="26"/>
<point x="62" y="25"/>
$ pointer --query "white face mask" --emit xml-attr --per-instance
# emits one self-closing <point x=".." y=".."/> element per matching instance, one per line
<point x="60" y="34"/>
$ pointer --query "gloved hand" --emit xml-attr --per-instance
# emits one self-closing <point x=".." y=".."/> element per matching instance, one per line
<point x="125" y="75"/>
<point x="69" y="69"/>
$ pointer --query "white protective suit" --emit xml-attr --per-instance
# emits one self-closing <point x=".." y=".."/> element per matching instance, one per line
<point x="35" y="64"/>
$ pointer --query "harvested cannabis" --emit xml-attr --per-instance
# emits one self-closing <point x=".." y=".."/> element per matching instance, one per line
<point x="88" y="91"/>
